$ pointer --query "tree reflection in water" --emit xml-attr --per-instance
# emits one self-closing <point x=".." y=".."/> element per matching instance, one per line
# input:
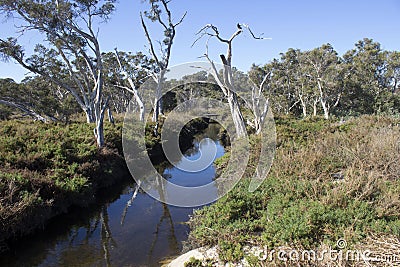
<point x="129" y="202"/>
<point x="125" y="227"/>
<point x="106" y="238"/>
<point x="172" y="240"/>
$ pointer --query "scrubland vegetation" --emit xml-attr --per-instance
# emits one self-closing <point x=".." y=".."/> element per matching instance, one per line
<point x="46" y="168"/>
<point x="329" y="181"/>
<point x="333" y="177"/>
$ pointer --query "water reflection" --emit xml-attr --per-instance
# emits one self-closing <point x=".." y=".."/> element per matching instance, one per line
<point x="172" y="241"/>
<point x="128" y="228"/>
<point x="186" y="187"/>
<point x="129" y="202"/>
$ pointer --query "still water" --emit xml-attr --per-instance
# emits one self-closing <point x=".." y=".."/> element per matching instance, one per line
<point x="129" y="228"/>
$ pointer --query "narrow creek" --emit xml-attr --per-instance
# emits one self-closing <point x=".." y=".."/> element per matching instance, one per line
<point x="123" y="230"/>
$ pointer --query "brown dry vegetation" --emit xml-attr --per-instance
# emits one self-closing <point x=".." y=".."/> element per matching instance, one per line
<point x="329" y="181"/>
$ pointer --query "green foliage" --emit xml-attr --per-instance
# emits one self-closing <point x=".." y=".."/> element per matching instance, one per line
<point x="305" y="201"/>
<point x="363" y="81"/>
<point x="50" y="167"/>
<point x="136" y="66"/>
<point x="193" y="262"/>
<point x="292" y="132"/>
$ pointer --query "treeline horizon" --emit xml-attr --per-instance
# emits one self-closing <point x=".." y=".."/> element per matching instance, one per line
<point x="316" y="82"/>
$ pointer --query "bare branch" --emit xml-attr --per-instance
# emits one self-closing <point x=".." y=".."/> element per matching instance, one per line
<point x="252" y="34"/>
<point x="204" y="31"/>
<point x="152" y="51"/>
<point x="73" y="74"/>
<point x="181" y="20"/>
<point x="239" y="31"/>
<point x="266" y="77"/>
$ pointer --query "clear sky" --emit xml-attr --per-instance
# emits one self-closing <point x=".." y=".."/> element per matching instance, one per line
<point x="304" y="24"/>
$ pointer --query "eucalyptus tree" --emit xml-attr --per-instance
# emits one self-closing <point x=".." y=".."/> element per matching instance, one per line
<point x="289" y="86"/>
<point x="303" y="90"/>
<point x="160" y="12"/>
<point x="261" y="78"/>
<point x="125" y="72"/>
<point x="322" y="66"/>
<point x="365" y="82"/>
<point x="50" y="99"/>
<point x="393" y="82"/>
<point x="393" y="71"/>
<point x="37" y="98"/>
<point x="289" y="89"/>
<point x="190" y="87"/>
<point x="119" y="99"/>
<point x="69" y="54"/>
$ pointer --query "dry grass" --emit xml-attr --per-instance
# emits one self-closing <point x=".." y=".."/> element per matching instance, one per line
<point x="343" y="181"/>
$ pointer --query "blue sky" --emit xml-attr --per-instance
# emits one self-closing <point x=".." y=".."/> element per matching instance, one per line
<point x="302" y="24"/>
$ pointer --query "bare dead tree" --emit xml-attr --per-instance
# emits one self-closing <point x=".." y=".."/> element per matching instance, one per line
<point x="225" y="81"/>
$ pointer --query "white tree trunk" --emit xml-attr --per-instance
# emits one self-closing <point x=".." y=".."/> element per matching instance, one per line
<point x="25" y="109"/>
<point x="322" y="99"/>
<point x="99" y="134"/>
<point x="263" y="116"/>
<point x="260" y="105"/>
<point x="156" y="109"/>
<point x="325" y="108"/>
<point x="133" y="89"/>
<point x="138" y="99"/>
<point x="157" y="104"/>
<point x="89" y="115"/>
<point x="259" y="115"/>
<point x="303" y="106"/>
<point x="315" y="108"/>
<point x="99" y="128"/>
<point x="160" y="106"/>
<point x="141" y="109"/>
<point x="110" y="116"/>
<point x="237" y="116"/>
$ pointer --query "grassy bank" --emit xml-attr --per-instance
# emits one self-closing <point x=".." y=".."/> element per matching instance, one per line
<point x="46" y="168"/>
<point x="329" y="181"/>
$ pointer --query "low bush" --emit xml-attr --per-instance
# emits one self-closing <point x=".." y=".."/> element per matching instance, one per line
<point x="328" y="181"/>
<point x="45" y="168"/>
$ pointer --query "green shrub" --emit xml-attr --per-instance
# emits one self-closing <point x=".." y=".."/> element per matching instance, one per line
<point x="54" y="165"/>
<point x="328" y="181"/>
